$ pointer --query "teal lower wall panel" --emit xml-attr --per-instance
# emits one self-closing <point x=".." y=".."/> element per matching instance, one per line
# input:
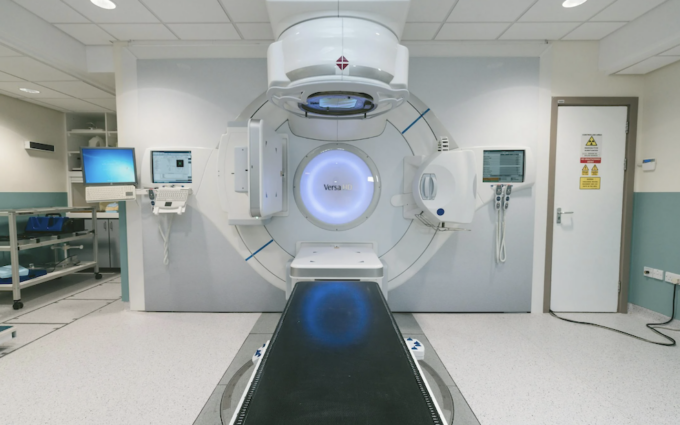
<point x="15" y="200"/>
<point x="656" y="243"/>
<point x="122" y="228"/>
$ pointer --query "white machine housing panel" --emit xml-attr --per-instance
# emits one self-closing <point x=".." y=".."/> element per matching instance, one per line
<point x="335" y="261"/>
<point x="337" y="56"/>
<point x="251" y="175"/>
<point x="265" y="179"/>
<point x="445" y="186"/>
<point x="401" y="262"/>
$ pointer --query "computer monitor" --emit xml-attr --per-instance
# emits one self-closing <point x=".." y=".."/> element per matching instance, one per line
<point x="171" y="167"/>
<point x="504" y="166"/>
<point x="109" y="166"/>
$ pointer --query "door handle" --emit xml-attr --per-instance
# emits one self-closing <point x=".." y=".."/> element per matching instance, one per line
<point x="428" y="187"/>
<point x="105" y="225"/>
<point x="559" y="215"/>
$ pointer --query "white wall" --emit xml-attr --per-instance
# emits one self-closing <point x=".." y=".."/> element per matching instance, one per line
<point x="659" y="135"/>
<point x="31" y="171"/>
<point x="575" y="72"/>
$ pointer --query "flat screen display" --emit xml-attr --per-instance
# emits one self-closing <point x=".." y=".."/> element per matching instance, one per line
<point x="504" y="166"/>
<point x="109" y="166"/>
<point x="171" y="167"/>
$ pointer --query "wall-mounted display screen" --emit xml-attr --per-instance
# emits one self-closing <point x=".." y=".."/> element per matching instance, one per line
<point x="504" y="166"/>
<point x="171" y="167"/>
<point x="109" y="166"/>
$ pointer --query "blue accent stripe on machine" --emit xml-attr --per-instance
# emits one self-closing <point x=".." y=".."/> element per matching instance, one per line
<point x="263" y="247"/>
<point x="413" y="123"/>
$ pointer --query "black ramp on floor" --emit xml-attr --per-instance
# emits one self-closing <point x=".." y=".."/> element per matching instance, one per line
<point x="337" y="358"/>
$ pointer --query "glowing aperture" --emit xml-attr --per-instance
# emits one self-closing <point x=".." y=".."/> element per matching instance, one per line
<point x="337" y="187"/>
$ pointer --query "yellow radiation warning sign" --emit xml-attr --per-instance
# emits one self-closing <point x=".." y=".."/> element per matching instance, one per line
<point x="595" y="170"/>
<point x="585" y="171"/>
<point x="590" y="183"/>
<point x="591" y="142"/>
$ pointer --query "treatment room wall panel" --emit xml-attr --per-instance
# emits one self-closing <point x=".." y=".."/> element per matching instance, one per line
<point x="189" y="103"/>
<point x="482" y="102"/>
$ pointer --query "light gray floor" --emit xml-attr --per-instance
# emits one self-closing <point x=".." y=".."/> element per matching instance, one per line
<point x="107" y="365"/>
<point x="534" y="369"/>
<point x="113" y="366"/>
<point x="54" y="304"/>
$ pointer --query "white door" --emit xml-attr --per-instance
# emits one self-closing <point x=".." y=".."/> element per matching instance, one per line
<point x="589" y="178"/>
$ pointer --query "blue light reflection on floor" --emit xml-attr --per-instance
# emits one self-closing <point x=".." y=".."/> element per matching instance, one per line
<point x="336" y="314"/>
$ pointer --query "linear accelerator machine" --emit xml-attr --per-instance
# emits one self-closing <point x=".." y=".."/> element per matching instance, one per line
<point x="341" y="185"/>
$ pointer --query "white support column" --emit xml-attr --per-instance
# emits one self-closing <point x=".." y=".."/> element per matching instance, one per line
<point x="127" y="106"/>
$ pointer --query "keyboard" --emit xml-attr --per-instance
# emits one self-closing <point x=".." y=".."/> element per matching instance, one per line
<point x="110" y="193"/>
<point x="172" y="195"/>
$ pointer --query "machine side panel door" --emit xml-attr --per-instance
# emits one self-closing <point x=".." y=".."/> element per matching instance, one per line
<point x="265" y="155"/>
<point x="589" y="184"/>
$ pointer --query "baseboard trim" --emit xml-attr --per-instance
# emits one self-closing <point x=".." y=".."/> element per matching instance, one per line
<point x="651" y="314"/>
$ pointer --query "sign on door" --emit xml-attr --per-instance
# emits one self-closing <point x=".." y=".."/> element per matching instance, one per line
<point x="591" y="149"/>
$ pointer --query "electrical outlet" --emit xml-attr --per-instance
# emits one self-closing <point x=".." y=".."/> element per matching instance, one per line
<point x="653" y="273"/>
<point x="673" y="278"/>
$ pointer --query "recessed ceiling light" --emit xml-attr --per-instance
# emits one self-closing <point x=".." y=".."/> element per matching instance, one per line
<point x="31" y="91"/>
<point x="567" y="3"/>
<point x="104" y="4"/>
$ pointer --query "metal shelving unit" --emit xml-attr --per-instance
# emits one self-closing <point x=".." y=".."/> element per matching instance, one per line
<point x="14" y="246"/>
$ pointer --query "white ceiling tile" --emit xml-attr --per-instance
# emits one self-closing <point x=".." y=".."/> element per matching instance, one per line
<point x="429" y="10"/>
<point x="247" y="10"/>
<point x="44" y="105"/>
<point x="6" y="51"/>
<point x="626" y="10"/>
<point x="104" y="103"/>
<point x="256" y="31"/>
<point x="31" y="70"/>
<point x="88" y="34"/>
<point x="11" y="94"/>
<point x="553" y="11"/>
<point x="594" y="30"/>
<point x="7" y="77"/>
<point x="179" y="11"/>
<point x="489" y="10"/>
<point x="45" y="93"/>
<point x="75" y="105"/>
<point x="651" y="64"/>
<point x="205" y="31"/>
<point x="126" y="11"/>
<point x="538" y="31"/>
<point x="469" y="31"/>
<point x="673" y="52"/>
<point x="423" y="31"/>
<point x="76" y="89"/>
<point x="54" y="11"/>
<point x="139" y="31"/>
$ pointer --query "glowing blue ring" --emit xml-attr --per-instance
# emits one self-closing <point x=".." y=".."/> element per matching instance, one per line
<point x="337" y="186"/>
